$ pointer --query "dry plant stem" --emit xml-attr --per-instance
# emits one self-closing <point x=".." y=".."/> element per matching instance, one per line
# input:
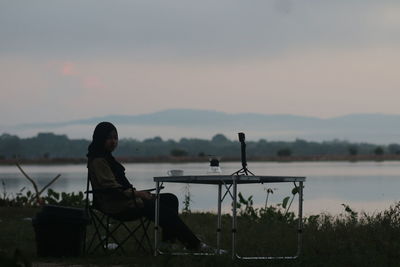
<point x="32" y="181"/>
<point x="37" y="192"/>
<point x="50" y="183"/>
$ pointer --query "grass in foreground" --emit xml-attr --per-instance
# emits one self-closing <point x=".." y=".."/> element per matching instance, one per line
<point x="349" y="239"/>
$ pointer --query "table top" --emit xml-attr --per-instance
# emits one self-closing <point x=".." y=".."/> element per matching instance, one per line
<point x="228" y="179"/>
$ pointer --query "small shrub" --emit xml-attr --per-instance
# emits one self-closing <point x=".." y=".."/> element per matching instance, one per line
<point x="187" y="200"/>
<point x="27" y="199"/>
<point x="284" y="152"/>
<point x="353" y="150"/>
<point x="379" y="151"/>
<point x="178" y="152"/>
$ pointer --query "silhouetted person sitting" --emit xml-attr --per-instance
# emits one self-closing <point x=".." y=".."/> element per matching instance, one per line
<point x="121" y="200"/>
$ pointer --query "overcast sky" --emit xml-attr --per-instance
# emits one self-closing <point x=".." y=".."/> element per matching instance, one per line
<point x="64" y="60"/>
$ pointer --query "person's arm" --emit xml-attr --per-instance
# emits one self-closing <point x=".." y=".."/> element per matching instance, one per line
<point x="106" y="179"/>
<point x="144" y="194"/>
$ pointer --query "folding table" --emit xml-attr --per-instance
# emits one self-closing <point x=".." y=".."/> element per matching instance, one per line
<point x="230" y="183"/>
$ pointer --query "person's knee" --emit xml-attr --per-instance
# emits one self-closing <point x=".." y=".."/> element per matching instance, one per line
<point x="171" y="199"/>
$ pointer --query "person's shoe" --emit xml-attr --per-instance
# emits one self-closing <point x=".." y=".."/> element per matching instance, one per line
<point x="168" y="247"/>
<point x="221" y="251"/>
<point x="208" y="249"/>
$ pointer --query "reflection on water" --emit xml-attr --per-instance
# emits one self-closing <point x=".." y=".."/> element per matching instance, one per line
<point x="368" y="186"/>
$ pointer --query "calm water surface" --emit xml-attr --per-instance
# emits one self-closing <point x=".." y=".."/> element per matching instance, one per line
<point x="367" y="186"/>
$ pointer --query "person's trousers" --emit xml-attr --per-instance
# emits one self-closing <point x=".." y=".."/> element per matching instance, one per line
<point x="173" y="227"/>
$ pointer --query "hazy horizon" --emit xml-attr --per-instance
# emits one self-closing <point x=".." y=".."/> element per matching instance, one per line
<point x="211" y="110"/>
<point x="204" y="124"/>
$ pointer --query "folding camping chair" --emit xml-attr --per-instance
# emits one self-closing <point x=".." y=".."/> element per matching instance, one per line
<point x="110" y="233"/>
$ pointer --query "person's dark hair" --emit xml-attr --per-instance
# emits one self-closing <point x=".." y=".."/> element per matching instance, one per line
<point x="100" y="135"/>
<point x="96" y="150"/>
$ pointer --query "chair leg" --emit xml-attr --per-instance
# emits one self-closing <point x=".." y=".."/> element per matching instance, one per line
<point x="143" y="225"/>
<point x="98" y="225"/>
<point x="104" y="223"/>
<point x="145" y="237"/>
<point x="101" y="223"/>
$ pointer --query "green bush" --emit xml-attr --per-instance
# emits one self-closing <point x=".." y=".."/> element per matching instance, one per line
<point x="27" y="199"/>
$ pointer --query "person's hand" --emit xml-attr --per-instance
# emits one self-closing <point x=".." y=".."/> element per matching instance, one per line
<point x="145" y="195"/>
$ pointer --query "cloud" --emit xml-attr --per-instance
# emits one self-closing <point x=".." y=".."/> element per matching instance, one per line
<point x="68" y="69"/>
<point x="83" y="77"/>
<point x="198" y="29"/>
<point x="92" y="82"/>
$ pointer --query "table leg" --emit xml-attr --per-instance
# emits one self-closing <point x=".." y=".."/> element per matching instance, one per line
<point x="219" y="218"/>
<point x="300" y="225"/>
<point x="156" y="219"/>
<point x="234" y="219"/>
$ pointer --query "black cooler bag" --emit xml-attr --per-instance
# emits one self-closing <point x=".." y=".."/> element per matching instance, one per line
<point x="60" y="231"/>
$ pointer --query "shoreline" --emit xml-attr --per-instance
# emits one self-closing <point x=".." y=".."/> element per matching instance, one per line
<point x="187" y="159"/>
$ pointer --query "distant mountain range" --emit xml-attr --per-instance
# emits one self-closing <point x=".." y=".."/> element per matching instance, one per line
<point x="178" y="123"/>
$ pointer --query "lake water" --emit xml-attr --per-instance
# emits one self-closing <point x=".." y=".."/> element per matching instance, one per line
<point x="364" y="186"/>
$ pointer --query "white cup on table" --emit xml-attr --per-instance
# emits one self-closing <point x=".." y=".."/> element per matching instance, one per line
<point x="175" y="172"/>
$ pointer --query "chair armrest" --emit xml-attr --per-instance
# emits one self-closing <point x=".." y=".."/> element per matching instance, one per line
<point x="106" y="190"/>
<point x="114" y="189"/>
<point x="153" y="189"/>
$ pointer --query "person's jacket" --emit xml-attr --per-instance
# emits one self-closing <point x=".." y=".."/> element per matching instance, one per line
<point x="108" y="195"/>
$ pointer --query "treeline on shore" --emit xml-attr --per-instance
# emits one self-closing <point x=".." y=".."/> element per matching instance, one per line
<point x="50" y="146"/>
